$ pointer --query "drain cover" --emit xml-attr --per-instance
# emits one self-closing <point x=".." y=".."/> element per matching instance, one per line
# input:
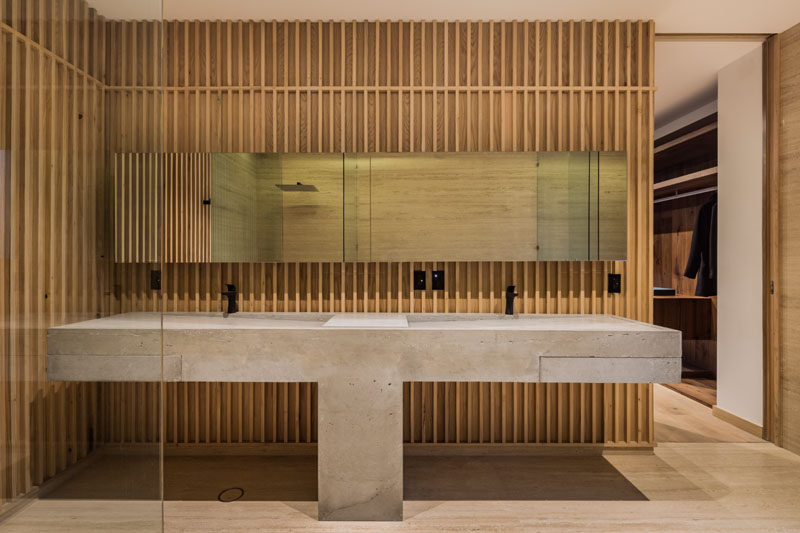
<point x="230" y="495"/>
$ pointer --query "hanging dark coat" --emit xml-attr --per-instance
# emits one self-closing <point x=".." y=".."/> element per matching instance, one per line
<point x="702" y="261"/>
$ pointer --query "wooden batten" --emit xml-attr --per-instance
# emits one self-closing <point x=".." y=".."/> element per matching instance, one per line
<point x="158" y="206"/>
<point x="52" y="268"/>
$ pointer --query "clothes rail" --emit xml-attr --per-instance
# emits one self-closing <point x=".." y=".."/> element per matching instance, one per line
<point x="685" y="194"/>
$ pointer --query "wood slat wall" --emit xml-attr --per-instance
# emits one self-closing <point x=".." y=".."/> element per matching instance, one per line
<point x="301" y="86"/>
<point x="788" y="284"/>
<point x="51" y="188"/>
<point x="147" y="184"/>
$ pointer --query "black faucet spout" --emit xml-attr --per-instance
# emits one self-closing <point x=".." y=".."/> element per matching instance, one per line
<point x="231" y="294"/>
<point x="510" y="295"/>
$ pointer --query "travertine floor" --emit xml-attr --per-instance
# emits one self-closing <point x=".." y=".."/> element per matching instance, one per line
<point x="711" y="485"/>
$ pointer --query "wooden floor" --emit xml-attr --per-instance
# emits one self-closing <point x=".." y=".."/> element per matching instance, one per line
<point x="681" y="419"/>
<point x="703" y="390"/>
<point x="705" y="475"/>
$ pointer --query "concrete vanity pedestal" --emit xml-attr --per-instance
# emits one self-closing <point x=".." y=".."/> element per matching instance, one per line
<point x="360" y="450"/>
<point x="360" y="362"/>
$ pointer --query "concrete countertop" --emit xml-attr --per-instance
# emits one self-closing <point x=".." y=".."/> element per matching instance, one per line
<point x="426" y="321"/>
<point x="314" y="346"/>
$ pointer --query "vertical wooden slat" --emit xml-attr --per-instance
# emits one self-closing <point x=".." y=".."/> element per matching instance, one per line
<point x="52" y="242"/>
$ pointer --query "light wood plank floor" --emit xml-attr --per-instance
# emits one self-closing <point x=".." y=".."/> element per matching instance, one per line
<point x="718" y="481"/>
<point x="681" y="419"/>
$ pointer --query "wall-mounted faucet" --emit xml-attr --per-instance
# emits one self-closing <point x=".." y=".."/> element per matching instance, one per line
<point x="231" y="294"/>
<point x="510" y="295"/>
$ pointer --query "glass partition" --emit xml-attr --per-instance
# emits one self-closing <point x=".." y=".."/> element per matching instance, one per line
<point x="80" y="414"/>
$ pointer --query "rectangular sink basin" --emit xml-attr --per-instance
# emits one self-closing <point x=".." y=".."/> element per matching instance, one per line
<point x="366" y="320"/>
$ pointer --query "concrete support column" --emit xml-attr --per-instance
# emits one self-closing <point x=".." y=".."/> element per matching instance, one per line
<point x="360" y="431"/>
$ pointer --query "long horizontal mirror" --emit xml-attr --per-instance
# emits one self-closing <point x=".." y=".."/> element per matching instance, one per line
<point x="466" y="206"/>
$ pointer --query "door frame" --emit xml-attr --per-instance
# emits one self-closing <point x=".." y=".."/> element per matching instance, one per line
<point x="771" y="243"/>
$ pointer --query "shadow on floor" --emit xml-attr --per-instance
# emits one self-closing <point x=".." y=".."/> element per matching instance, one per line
<point x="515" y="478"/>
<point x="109" y="477"/>
<point x="294" y="478"/>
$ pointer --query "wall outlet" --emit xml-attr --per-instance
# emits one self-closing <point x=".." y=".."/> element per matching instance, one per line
<point x="419" y="280"/>
<point x="155" y="280"/>
<point x="437" y="280"/>
<point x="614" y="283"/>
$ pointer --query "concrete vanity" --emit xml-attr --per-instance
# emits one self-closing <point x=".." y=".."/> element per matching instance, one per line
<point x="360" y="362"/>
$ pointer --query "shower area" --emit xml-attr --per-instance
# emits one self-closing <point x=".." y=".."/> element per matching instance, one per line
<point x="82" y="453"/>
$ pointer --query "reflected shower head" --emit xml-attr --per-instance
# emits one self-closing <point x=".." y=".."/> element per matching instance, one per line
<point x="298" y="187"/>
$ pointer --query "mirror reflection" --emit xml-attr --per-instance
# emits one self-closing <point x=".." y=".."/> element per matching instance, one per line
<point x="276" y="207"/>
<point x="466" y="206"/>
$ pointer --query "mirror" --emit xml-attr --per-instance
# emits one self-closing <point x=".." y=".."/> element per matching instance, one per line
<point x="582" y="206"/>
<point x="465" y="206"/>
<point x="276" y="207"/>
<point x="246" y="208"/>
<point x="612" y="206"/>
<point x="563" y="206"/>
<point x="470" y="206"/>
<point x="453" y="207"/>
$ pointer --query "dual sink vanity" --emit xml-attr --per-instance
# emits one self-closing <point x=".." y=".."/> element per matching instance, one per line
<point x="360" y="362"/>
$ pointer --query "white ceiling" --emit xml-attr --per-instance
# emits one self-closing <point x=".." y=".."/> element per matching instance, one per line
<point x="686" y="74"/>
<point x="685" y="71"/>
<point x="673" y="16"/>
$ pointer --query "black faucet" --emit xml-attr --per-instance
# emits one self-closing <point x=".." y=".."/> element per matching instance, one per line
<point x="510" y="295"/>
<point x="231" y="295"/>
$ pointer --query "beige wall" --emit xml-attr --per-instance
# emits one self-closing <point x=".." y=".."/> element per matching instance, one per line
<point x="739" y="286"/>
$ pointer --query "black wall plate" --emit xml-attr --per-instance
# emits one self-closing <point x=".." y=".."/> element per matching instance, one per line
<point x="437" y="280"/>
<point x="155" y="280"/>
<point x="614" y="283"/>
<point x="419" y="280"/>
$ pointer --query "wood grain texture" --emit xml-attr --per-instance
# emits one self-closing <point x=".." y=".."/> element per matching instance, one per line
<point x="312" y="220"/>
<point x="696" y="318"/>
<point x="304" y="86"/>
<point x="456" y="207"/>
<point x="52" y="229"/>
<point x="158" y="207"/>
<point x="246" y="207"/>
<point x="772" y="243"/>
<point x="789" y="239"/>
<point x="611" y="205"/>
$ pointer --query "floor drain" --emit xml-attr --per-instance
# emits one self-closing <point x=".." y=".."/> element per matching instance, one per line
<point x="230" y="495"/>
